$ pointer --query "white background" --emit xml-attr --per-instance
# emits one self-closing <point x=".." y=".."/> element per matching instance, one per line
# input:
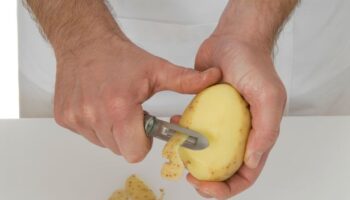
<point x="9" y="64"/>
<point x="42" y="161"/>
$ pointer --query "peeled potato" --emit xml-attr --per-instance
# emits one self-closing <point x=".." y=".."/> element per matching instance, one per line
<point x="222" y="116"/>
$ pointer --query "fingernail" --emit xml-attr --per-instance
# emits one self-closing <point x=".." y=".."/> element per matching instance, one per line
<point x="254" y="160"/>
<point x="207" y="192"/>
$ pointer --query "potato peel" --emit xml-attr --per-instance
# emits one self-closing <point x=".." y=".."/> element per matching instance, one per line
<point x="173" y="169"/>
<point x="135" y="189"/>
<point x="119" y="195"/>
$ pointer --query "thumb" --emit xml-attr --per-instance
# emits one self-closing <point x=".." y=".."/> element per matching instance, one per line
<point x="266" y="118"/>
<point x="129" y="133"/>
<point x="185" y="80"/>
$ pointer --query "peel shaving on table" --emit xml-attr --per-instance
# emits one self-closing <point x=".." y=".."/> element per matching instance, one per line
<point x="135" y="189"/>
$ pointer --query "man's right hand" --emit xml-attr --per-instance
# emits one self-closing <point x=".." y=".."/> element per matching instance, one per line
<point x="102" y="78"/>
<point x="101" y="86"/>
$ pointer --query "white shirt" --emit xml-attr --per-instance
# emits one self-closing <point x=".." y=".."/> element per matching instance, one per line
<point x="311" y="55"/>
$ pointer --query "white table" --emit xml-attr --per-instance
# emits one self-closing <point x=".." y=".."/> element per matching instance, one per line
<point x="41" y="161"/>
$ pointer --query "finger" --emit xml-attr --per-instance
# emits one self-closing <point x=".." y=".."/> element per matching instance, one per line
<point x="219" y="190"/>
<point x="71" y="122"/>
<point x="245" y="177"/>
<point x="91" y="136"/>
<point x="85" y="119"/>
<point x="267" y="113"/>
<point x="66" y="113"/>
<point x="103" y="129"/>
<point x="175" y="119"/>
<point x="185" y="80"/>
<point x="88" y="134"/>
<point x="203" y="194"/>
<point x="105" y="135"/>
<point x="239" y="182"/>
<point x="129" y="133"/>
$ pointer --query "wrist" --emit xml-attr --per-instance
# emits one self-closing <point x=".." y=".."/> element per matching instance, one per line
<point x="244" y="30"/>
<point x="244" y="38"/>
<point x="94" y="48"/>
<point x="72" y="24"/>
<point x="254" y="22"/>
<point x="258" y="43"/>
<point x="84" y="42"/>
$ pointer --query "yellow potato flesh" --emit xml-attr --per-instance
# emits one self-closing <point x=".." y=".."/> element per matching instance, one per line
<point x="223" y="117"/>
<point x="135" y="189"/>
<point x="119" y="195"/>
<point x="173" y="169"/>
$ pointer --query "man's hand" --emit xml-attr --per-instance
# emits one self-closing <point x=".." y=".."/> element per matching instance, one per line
<point x="241" y="47"/>
<point x="100" y="89"/>
<point x="102" y="78"/>
<point x="251" y="71"/>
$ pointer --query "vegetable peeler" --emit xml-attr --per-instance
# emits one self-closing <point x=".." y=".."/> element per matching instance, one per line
<point x="164" y="130"/>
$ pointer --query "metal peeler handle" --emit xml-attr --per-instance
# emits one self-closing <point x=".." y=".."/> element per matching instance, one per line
<point x="149" y="122"/>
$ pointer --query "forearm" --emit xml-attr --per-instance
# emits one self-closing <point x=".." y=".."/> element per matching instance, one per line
<point x="257" y="21"/>
<point x="69" y="24"/>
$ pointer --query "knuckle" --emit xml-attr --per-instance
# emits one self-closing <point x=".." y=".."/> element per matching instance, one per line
<point x="65" y="118"/>
<point x="275" y="92"/>
<point x="64" y="121"/>
<point x="69" y="118"/>
<point x="58" y="116"/>
<point x="88" y="114"/>
<point x="59" y="119"/>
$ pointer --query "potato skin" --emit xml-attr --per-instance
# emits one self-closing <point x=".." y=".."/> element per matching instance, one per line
<point x="222" y="115"/>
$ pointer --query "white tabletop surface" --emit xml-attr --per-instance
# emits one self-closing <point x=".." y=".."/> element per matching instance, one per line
<point x="41" y="161"/>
